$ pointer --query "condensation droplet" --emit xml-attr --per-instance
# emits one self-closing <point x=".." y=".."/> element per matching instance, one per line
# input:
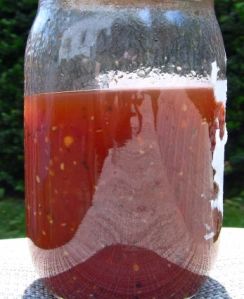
<point x="136" y="267"/>
<point x="54" y="128"/>
<point x="184" y="108"/>
<point x="38" y="179"/>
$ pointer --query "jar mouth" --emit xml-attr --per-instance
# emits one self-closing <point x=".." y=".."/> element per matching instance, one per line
<point x="175" y="4"/>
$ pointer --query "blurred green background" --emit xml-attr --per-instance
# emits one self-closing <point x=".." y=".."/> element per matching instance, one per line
<point x="16" y="18"/>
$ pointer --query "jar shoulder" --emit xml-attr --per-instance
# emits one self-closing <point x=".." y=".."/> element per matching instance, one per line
<point x="106" y="39"/>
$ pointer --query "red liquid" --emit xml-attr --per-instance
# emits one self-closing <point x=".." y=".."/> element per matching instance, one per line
<point x="122" y="179"/>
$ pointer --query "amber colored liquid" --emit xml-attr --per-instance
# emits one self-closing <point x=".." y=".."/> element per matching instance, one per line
<point x="118" y="189"/>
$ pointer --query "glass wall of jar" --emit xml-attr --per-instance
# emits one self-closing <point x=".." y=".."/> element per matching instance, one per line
<point x="124" y="146"/>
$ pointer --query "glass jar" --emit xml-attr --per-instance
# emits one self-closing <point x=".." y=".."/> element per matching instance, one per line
<point x="124" y="146"/>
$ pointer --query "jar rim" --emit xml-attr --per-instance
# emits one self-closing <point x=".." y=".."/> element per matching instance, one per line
<point x="181" y="4"/>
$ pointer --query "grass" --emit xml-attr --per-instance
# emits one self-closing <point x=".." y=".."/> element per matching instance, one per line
<point x="12" y="216"/>
<point x="234" y="212"/>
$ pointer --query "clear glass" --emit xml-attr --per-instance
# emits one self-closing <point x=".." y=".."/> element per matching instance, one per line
<point x="124" y="146"/>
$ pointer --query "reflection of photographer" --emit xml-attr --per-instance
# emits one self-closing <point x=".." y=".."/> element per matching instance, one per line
<point x="77" y="54"/>
<point x="97" y="45"/>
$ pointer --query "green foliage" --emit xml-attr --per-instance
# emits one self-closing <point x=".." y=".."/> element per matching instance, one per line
<point x="12" y="219"/>
<point x="231" y="18"/>
<point x="234" y="211"/>
<point x="16" y="18"/>
<point x="15" y="21"/>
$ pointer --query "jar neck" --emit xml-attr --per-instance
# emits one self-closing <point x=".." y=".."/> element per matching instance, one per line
<point x="167" y="4"/>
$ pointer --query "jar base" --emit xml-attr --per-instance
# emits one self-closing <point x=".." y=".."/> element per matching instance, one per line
<point x="130" y="266"/>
